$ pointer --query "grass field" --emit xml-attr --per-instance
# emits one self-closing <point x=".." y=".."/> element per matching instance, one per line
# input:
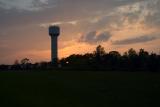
<point x="79" y="89"/>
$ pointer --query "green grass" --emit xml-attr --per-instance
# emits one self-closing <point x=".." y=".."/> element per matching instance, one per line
<point x="79" y="89"/>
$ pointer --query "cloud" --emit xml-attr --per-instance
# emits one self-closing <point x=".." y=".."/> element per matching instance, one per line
<point x="28" y="5"/>
<point x="46" y="25"/>
<point x="140" y="39"/>
<point x="152" y="19"/>
<point x="63" y="11"/>
<point x="93" y="37"/>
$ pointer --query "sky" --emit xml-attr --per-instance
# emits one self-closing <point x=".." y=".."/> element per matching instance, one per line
<point x="117" y="25"/>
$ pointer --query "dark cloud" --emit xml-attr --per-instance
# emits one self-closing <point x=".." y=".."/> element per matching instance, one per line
<point x="62" y="10"/>
<point x="140" y="39"/>
<point x="27" y="5"/>
<point x="152" y="19"/>
<point x="93" y="37"/>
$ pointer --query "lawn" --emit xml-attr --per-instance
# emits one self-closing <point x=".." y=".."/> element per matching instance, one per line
<point x="79" y="89"/>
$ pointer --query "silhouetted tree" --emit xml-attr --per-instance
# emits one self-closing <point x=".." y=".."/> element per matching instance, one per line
<point x="98" y="57"/>
<point x="16" y="62"/>
<point x="99" y="51"/>
<point x="16" y="65"/>
<point x="132" y="59"/>
<point x="113" y="61"/>
<point x="153" y="62"/>
<point x="143" y="59"/>
<point x="24" y="61"/>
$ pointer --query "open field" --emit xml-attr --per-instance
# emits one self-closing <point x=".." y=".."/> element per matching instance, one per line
<point x="79" y="89"/>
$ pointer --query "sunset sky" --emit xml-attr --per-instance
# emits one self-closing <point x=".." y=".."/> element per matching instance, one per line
<point x="115" y="24"/>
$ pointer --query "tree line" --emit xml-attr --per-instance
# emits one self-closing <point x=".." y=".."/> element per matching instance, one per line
<point x="99" y="60"/>
<point x="114" y="61"/>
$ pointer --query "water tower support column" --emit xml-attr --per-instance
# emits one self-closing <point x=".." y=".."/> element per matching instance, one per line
<point x="54" y="50"/>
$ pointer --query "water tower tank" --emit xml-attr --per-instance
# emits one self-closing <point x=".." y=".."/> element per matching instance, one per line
<point x="54" y="31"/>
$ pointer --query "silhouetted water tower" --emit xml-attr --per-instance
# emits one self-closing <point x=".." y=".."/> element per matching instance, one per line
<point x="54" y="32"/>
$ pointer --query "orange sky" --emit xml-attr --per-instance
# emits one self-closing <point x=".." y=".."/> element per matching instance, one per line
<point x="116" y="25"/>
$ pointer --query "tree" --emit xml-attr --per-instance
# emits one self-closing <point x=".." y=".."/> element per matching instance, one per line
<point x="153" y="62"/>
<point x="143" y="53"/>
<point x="16" y="62"/>
<point x="143" y="59"/>
<point x="113" y="59"/>
<point x="132" y="59"/>
<point x="24" y="61"/>
<point x="115" y="54"/>
<point x="99" y="51"/>
<point x="132" y="53"/>
<point x="98" y="57"/>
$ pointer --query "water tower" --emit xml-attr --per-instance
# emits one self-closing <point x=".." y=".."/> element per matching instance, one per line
<point x="54" y="32"/>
